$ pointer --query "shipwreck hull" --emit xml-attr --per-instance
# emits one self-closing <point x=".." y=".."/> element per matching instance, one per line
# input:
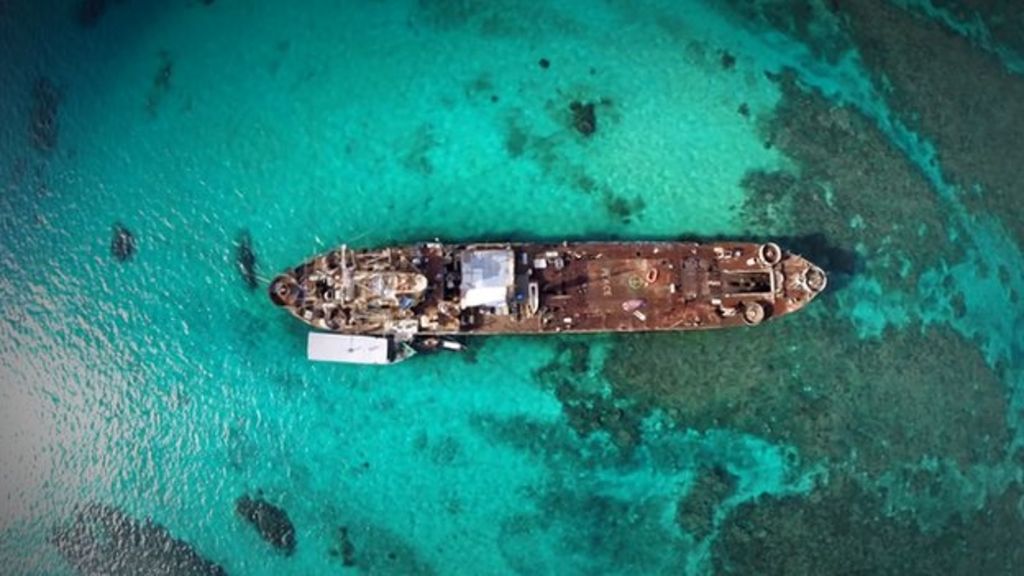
<point x="423" y="291"/>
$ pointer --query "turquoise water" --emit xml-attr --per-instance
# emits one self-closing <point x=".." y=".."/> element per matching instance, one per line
<point x="161" y="386"/>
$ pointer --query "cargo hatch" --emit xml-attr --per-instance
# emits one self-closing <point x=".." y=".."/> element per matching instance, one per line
<point x="748" y="283"/>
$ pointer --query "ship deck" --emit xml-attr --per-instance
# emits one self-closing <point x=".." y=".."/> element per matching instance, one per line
<point x="599" y="287"/>
<point x="433" y="289"/>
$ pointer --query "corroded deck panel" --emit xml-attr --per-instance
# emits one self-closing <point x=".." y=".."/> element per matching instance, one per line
<point x="433" y="289"/>
<point x="680" y="286"/>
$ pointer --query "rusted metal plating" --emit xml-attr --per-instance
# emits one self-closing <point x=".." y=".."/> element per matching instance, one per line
<point x="432" y="289"/>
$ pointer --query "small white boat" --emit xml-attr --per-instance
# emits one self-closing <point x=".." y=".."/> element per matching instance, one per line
<point x="353" y="349"/>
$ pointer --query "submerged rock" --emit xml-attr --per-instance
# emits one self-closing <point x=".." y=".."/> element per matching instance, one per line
<point x="271" y="522"/>
<point x="584" y="118"/>
<point x="245" y="258"/>
<point x="122" y="243"/>
<point x="102" y="539"/>
<point x="43" y="129"/>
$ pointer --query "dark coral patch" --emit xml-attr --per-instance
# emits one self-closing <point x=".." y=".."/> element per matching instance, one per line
<point x="516" y="138"/>
<point x="881" y="402"/>
<point x="162" y="80"/>
<point x="418" y="157"/>
<point x="1001" y="19"/>
<point x="957" y="96"/>
<point x="161" y="83"/>
<point x="549" y="152"/>
<point x="584" y="117"/>
<point x="728" y="61"/>
<point x="447" y="15"/>
<point x="102" y="539"/>
<point x="843" y="529"/>
<point x="371" y="549"/>
<point x="696" y="512"/>
<point x="585" y="408"/>
<point x="800" y="19"/>
<point x="544" y="63"/>
<point x="345" y="549"/>
<point x="245" y="260"/>
<point x="623" y="209"/>
<point x="43" y="129"/>
<point x="480" y="85"/>
<point x="122" y="243"/>
<point x="271" y="522"/>
<point x="608" y="532"/>
<point x="89" y="12"/>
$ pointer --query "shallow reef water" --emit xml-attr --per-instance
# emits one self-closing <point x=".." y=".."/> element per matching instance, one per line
<point x="161" y="159"/>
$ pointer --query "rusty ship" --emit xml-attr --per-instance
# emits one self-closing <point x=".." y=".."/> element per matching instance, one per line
<point x="380" y="306"/>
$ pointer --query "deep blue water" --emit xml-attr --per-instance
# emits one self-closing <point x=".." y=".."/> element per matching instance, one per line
<point x="144" y="383"/>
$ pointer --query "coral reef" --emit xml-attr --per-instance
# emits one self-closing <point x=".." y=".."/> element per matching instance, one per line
<point x="1002" y="19"/>
<point x="864" y="411"/>
<point x="888" y="213"/>
<point x="599" y="509"/>
<point x="879" y="403"/>
<point x="102" y="539"/>
<point x="587" y="409"/>
<point x="270" y="521"/>
<point x="915" y="412"/>
<point x="885" y="222"/>
<point x="840" y="529"/>
<point x="696" y="512"/>
<point x="610" y="534"/>
<point x="981" y="108"/>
